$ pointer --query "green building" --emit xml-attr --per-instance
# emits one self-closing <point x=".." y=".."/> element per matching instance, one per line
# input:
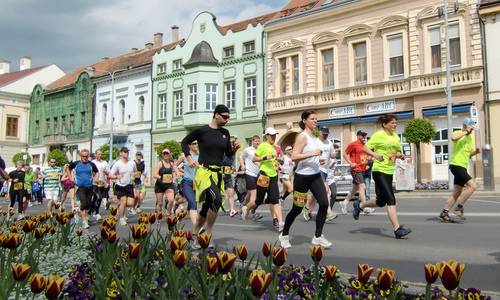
<point x="215" y="65"/>
<point x="61" y="116"/>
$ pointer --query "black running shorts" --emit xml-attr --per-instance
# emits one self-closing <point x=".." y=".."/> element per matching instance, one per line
<point x="461" y="177"/>
<point x="383" y="189"/>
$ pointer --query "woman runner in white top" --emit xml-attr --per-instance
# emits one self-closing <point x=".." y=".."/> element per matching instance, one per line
<point x="306" y="153"/>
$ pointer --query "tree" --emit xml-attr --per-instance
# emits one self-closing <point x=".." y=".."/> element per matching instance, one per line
<point x="59" y="156"/>
<point x="418" y="131"/>
<point x="19" y="156"/>
<point x="173" y="146"/>
<point x="105" y="152"/>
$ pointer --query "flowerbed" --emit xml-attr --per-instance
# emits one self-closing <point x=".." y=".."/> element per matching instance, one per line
<point x="35" y="254"/>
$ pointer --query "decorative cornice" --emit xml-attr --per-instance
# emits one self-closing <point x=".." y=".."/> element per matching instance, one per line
<point x="287" y="45"/>
<point x="242" y="59"/>
<point x="326" y="37"/>
<point x="168" y="76"/>
<point x="358" y="29"/>
<point x="436" y="11"/>
<point x="392" y="21"/>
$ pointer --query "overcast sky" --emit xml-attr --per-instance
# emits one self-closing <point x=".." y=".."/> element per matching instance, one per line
<point x="73" y="33"/>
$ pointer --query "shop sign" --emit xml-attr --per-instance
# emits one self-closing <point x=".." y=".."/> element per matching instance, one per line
<point x="344" y="111"/>
<point x="377" y="107"/>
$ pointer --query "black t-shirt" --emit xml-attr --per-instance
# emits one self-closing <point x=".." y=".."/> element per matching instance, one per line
<point x="19" y="175"/>
<point x="213" y="144"/>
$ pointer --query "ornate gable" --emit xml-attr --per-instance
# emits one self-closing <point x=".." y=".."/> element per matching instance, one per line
<point x="326" y="37"/>
<point x="392" y="21"/>
<point x="287" y="45"/>
<point x="358" y="29"/>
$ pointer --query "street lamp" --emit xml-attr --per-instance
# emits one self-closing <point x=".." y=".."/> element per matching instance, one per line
<point x="112" y="75"/>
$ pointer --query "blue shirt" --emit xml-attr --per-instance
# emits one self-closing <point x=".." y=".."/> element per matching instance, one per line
<point x="83" y="173"/>
<point x="189" y="171"/>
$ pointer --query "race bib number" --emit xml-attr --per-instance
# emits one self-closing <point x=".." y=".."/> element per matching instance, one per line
<point x="299" y="199"/>
<point x="137" y="175"/>
<point x="101" y="183"/>
<point x="228" y="170"/>
<point x="167" y="178"/>
<point x="18" y="186"/>
<point x="54" y="176"/>
<point x="263" y="181"/>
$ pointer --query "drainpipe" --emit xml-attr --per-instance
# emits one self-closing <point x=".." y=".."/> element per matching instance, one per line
<point x="151" y="125"/>
<point x="264" y="88"/>
<point x="486" y="95"/>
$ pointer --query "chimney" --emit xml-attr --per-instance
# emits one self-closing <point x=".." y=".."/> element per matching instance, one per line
<point x="105" y="58"/>
<point x="175" y="33"/>
<point x="158" y="39"/>
<point x="4" y="66"/>
<point x="135" y="49"/>
<point x="25" y="63"/>
<point x="148" y="46"/>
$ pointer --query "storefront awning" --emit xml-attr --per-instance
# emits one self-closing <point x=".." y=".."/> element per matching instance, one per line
<point x="442" y="110"/>
<point x="363" y="119"/>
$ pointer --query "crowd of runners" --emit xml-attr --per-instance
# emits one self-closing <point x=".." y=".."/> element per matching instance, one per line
<point x="213" y="174"/>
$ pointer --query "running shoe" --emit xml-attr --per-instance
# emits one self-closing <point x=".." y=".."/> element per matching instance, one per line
<point x="321" y="241"/>
<point x="132" y="212"/>
<point x="97" y="217"/>
<point x="256" y="217"/>
<point x="281" y="226"/>
<point x="357" y="210"/>
<point x="401" y="232"/>
<point x="368" y="210"/>
<point x="444" y="216"/>
<point x="30" y="204"/>
<point x="284" y="241"/>
<point x="331" y="216"/>
<point x="85" y="225"/>
<point x="195" y="245"/>
<point x="138" y="210"/>
<point x="233" y="213"/>
<point x="20" y="216"/>
<point x="275" y="224"/>
<point x="123" y="222"/>
<point x="306" y="214"/>
<point x="343" y="206"/>
<point x="459" y="212"/>
<point x="244" y="213"/>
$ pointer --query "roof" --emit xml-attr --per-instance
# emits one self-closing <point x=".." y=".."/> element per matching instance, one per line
<point x="489" y="2"/>
<point x="14" y="76"/>
<point x="242" y="25"/>
<point x="297" y="6"/>
<point x="202" y="53"/>
<point x="132" y="59"/>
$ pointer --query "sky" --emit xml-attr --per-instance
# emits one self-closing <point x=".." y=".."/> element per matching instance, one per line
<point x="74" y="33"/>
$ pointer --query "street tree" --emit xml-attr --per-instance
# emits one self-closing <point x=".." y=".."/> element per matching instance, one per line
<point x="419" y="131"/>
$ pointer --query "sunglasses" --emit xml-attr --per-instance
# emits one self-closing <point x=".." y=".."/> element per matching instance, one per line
<point x="194" y="143"/>
<point x="166" y="153"/>
<point x="84" y="156"/>
<point x="225" y="117"/>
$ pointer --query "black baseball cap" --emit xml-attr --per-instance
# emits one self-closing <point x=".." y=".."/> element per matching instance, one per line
<point x="362" y="133"/>
<point x="324" y="130"/>
<point x="124" y="149"/>
<point x="138" y="153"/>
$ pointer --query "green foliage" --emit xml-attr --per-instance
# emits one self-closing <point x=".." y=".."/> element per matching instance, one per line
<point x="59" y="156"/>
<point x="105" y="152"/>
<point x="418" y="131"/>
<point x="19" y="156"/>
<point x="173" y="146"/>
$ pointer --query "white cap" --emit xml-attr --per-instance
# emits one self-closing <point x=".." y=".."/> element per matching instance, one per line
<point x="270" y="131"/>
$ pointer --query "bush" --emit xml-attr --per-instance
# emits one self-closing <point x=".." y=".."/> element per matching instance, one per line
<point x="105" y="152"/>
<point x="19" y="156"/>
<point x="173" y="146"/>
<point x="59" y="156"/>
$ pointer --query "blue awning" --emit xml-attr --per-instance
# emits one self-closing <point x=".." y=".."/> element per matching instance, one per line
<point x="363" y="119"/>
<point x="442" y="110"/>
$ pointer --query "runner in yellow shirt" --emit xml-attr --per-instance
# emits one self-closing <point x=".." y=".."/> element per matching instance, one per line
<point x="464" y="148"/>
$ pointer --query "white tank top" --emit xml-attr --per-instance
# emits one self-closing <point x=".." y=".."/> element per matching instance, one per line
<point x="309" y="166"/>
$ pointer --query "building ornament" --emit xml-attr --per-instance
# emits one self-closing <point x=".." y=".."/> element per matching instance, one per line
<point x="326" y="37"/>
<point x="287" y="45"/>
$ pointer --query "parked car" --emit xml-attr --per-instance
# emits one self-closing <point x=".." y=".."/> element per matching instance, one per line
<point x="343" y="178"/>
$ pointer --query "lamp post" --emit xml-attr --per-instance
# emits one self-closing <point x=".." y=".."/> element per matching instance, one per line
<point x="112" y="75"/>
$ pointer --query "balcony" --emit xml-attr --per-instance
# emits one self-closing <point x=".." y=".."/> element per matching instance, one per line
<point x="54" y="139"/>
<point x="119" y="130"/>
<point x="421" y="84"/>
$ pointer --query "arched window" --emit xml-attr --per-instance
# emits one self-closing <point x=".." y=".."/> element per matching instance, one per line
<point x="122" y="111"/>
<point x="141" y="109"/>
<point x="104" y="116"/>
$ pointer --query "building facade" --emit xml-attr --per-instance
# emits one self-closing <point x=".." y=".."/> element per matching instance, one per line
<point x="215" y="65"/>
<point x="490" y="17"/>
<point x="352" y="61"/>
<point x="15" y="90"/>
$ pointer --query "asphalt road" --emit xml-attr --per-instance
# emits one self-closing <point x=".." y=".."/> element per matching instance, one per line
<point x="370" y="240"/>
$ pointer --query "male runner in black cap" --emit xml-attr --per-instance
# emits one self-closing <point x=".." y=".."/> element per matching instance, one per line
<point x="214" y="143"/>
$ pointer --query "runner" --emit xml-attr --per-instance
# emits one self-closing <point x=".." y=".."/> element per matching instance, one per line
<point x="164" y="173"/>
<point x="99" y="187"/>
<point x="68" y="188"/>
<point x="357" y="158"/>
<point x="286" y="172"/>
<point x="327" y="153"/>
<point x="123" y="170"/>
<point x="251" y="172"/>
<point x="229" y="170"/>
<point x="51" y="179"/>
<point x="140" y="179"/>
<point x="85" y="172"/>
<point x="387" y="148"/>
<point x="267" y="182"/>
<point x="16" y="191"/>
<point x="187" y="181"/>
<point x="28" y="181"/>
<point x="214" y="143"/>
<point x="306" y="154"/>
<point x="36" y="187"/>
<point x="464" y="185"/>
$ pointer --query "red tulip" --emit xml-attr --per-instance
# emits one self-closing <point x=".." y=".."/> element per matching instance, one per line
<point x="28" y="226"/>
<point x="152" y="218"/>
<point x="212" y="265"/>
<point x="242" y="252"/>
<point x="204" y="239"/>
<point x="159" y="215"/>
<point x="266" y="249"/>
<point x="450" y="273"/>
<point x="177" y="243"/>
<point x="40" y="232"/>
<point x="259" y="281"/>
<point x="330" y="273"/>
<point x="226" y="261"/>
<point x="109" y="222"/>
<point x="143" y="220"/>
<point x="12" y="240"/>
<point x="38" y="282"/>
<point x="189" y="235"/>
<point x="113" y="210"/>
<point x="133" y="250"/>
<point x="112" y="236"/>
<point x="180" y="258"/>
<point x="20" y="271"/>
<point x="431" y="273"/>
<point x="279" y="256"/>
<point x="180" y="233"/>
<point x="364" y="272"/>
<point x="316" y="253"/>
<point x="171" y="221"/>
<point x="54" y="287"/>
<point x="385" y="279"/>
<point x="79" y="232"/>
<point x="104" y="233"/>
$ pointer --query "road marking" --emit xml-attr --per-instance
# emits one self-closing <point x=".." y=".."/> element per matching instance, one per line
<point x="485" y="201"/>
<point x="238" y="225"/>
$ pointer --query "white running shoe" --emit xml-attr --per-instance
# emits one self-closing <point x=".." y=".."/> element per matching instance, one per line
<point x="244" y="213"/>
<point x="321" y="241"/>
<point x="368" y="210"/>
<point x="20" y="216"/>
<point x="343" y="206"/>
<point x="97" y="217"/>
<point x="331" y="216"/>
<point x="284" y="241"/>
<point x="281" y="226"/>
<point x="306" y="213"/>
<point x="132" y="212"/>
<point x="30" y="204"/>
<point x="123" y="222"/>
<point x="138" y="210"/>
<point x="104" y="202"/>
<point x="85" y="225"/>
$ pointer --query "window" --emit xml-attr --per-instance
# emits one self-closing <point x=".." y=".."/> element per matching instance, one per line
<point x="122" y="111"/>
<point x="83" y="121"/>
<point x="36" y="159"/>
<point x="249" y="47"/>
<point x="104" y="116"/>
<point x="162" y="68"/>
<point x="63" y="124"/>
<point x="56" y="125"/>
<point x="71" y="123"/>
<point x="162" y="100"/>
<point x="37" y="129"/>
<point x="327" y="61"/>
<point x="396" y="64"/>
<point x="283" y="72"/>
<point x="435" y="43"/>
<point x="12" y="126"/>
<point x="295" y="72"/>
<point x="141" y="109"/>
<point x="210" y="96"/>
<point x="360" y="62"/>
<point x="178" y="103"/>
<point x="230" y="93"/>
<point x="47" y="126"/>
<point x="193" y="97"/>
<point x="228" y="52"/>
<point x="251" y="88"/>
<point x="177" y="64"/>
<point x="454" y="37"/>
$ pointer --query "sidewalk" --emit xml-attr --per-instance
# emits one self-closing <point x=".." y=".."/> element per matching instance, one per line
<point x="441" y="193"/>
